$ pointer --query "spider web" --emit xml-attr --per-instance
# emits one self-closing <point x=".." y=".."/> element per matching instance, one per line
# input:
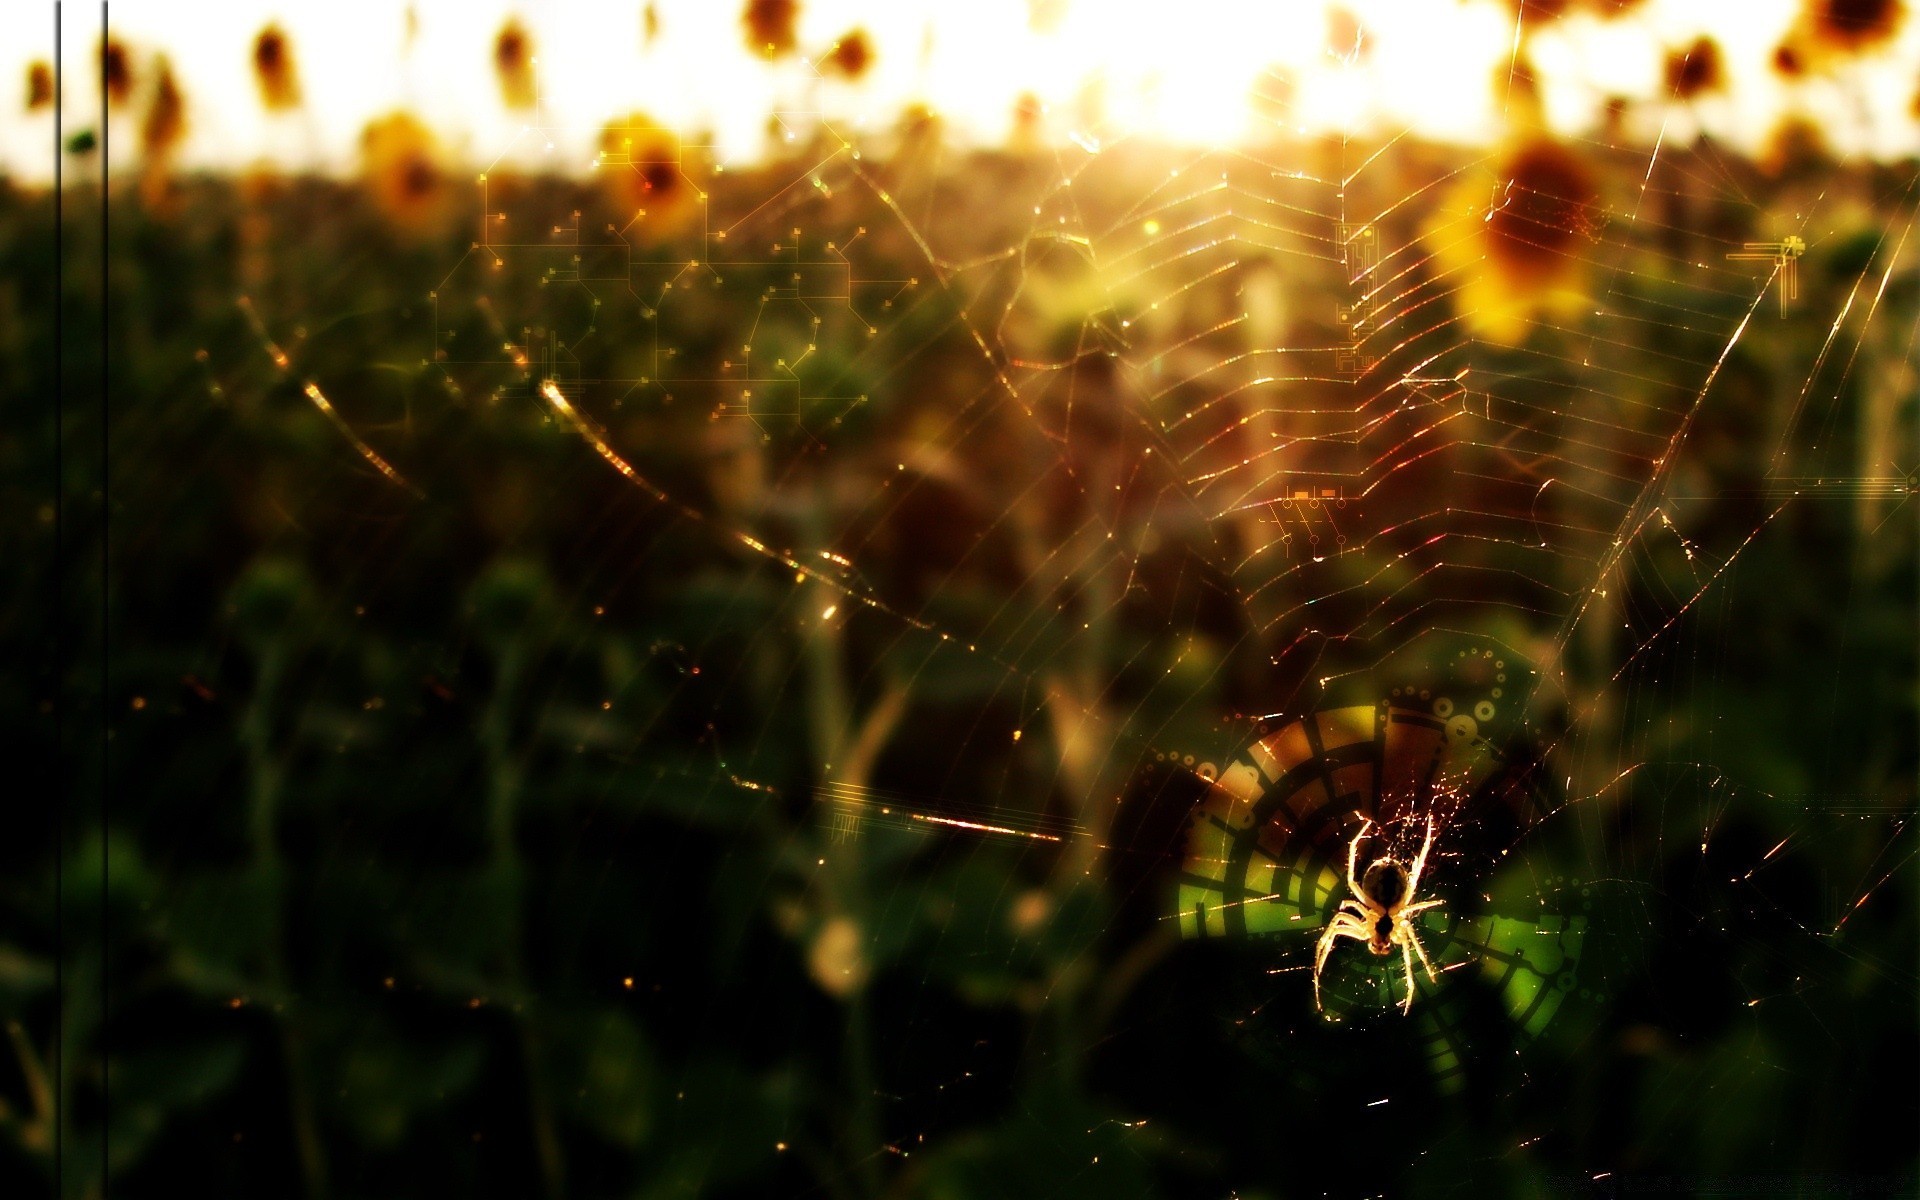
<point x="1162" y="468"/>
<point x="1142" y="407"/>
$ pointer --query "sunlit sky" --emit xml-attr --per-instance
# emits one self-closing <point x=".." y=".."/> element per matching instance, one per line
<point x="1104" y="69"/>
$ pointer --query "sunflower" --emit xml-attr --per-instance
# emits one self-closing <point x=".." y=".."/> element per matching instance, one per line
<point x="166" y="120"/>
<point x="400" y="162"/>
<point x="1829" y="34"/>
<point x="1848" y="27"/>
<point x="643" y="167"/>
<point x="851" y="56"/>
<point x="1695" y="70"/>
<point x="769" y="26"/>
<point x="1788" y="61"/>
<point x="1519" y="252"/>
<point x="513" y="63"/>
<point x="1795" y="149"/>
<point x="116" y="72"/>
<point x="273" y="70"/>
<point x="162" y="130"/>
<point x="39" y="85"/>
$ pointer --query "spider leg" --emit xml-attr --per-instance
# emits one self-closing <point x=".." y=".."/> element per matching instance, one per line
<point x="1420" y="860"/>
<point x="1421" y="907"/>
<point x="1343" y="924"/>
<point x="1353" y="856"/>
<point x="1406" y="956"/>
<point x="1413" y="939"/>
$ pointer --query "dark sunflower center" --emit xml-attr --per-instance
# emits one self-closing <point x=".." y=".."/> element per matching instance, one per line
<point x="418" y="178"/>
<point x="1541" y="211"/>
<point x="1695" y="71"/>
<point x="511" y="51"/>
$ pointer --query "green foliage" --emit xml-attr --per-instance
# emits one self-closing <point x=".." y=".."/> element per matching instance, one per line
<point x="478" y="837"/>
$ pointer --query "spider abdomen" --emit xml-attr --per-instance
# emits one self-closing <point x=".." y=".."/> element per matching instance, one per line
<point x="1385" y="883"/>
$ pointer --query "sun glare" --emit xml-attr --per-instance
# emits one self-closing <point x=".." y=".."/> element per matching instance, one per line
<point x="1201" y="72"/>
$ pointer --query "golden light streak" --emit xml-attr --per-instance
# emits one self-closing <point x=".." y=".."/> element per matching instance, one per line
<point x="367" y="452"/>
<point x="587" y="430"/>
<point x="982" y="828"/>
<point x="594" y="437"/>
<point x="312" y="391"/>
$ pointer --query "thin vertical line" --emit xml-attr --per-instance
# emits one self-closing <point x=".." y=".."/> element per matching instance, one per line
<point x="58" y="681"/>
<point x="106" y="704"/>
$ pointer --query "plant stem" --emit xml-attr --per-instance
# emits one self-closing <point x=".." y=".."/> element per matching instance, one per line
<point x="266" y="774"/>
<point x="837" y="744"/>
<point x="506" y="773"/>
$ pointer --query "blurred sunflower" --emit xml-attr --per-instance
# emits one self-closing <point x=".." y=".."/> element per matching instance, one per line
<point x="851" y="56"/>
<point x="39" y="85"/>
<point x="401" y="169"/>
<point x="1520" y="254"/>
<point x="116" y="72"/>
<point x="1849" y="27"/>
<point x="273" y="70"/>
<point x="161" y="132"/>
<point x="1795" y="148"/>
<point x="770" y="27"/>
<point x="513" y="64"/>
<point x="641" y="166"/>
<point x="166" y="120"/>
<point x="1829" y="34"/>
<point x="1696" y="70"/>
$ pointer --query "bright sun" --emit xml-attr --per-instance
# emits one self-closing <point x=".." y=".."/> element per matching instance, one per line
<point x="1086" y="71"/>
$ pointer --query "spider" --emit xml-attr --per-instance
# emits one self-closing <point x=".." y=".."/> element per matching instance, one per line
<point x="1380" y="912"/>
